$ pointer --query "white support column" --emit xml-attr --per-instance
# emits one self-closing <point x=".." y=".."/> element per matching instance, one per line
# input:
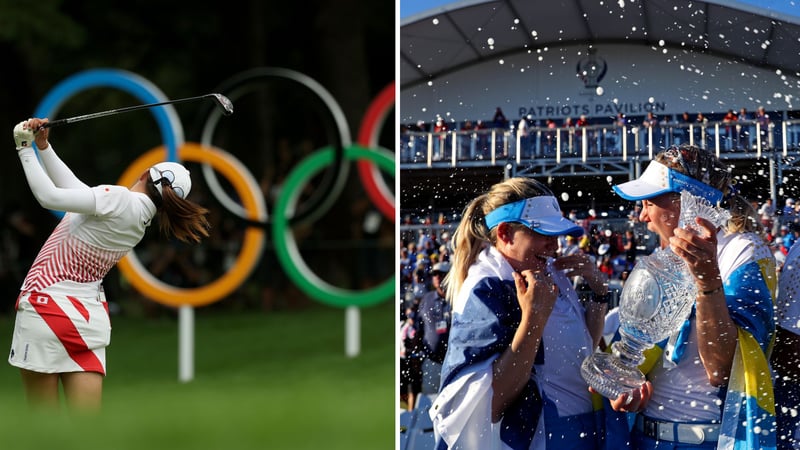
<point x="185" y="343"/>
<point x="352" y="332"/>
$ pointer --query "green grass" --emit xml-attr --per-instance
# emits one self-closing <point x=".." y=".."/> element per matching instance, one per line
<point x="262" y="381"/>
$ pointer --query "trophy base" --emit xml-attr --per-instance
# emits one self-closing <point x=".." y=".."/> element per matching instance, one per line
<point x="609" y="377"/>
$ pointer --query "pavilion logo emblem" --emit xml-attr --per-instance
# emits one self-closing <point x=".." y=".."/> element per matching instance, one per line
<point x="591" y="69"/>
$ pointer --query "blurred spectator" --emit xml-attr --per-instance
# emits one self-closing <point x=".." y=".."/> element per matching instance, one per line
<point x="767" y="214"/>
<point x="445" y="241"/>
<point x="423" y="240"/>
<point x="633" y="215"/>
<point x="651" y="125"/>
<point x="439" y="139"/>
<point x="550" y="136"/>
<point x="571" y="246"/>
<point x="794" y="232"/>
<point x="618" y="133"/>
<point x="428" y="246"/>
<point x="730" y="120"/>
<point x="410" y="360"/>
<point x="630" y="247"/>
<point x="420" y="282"/>
<point x="573" y="215"/>
<point x="604" y="263"/>
<point x="787" y="213"/>
<point x="581" y="285"/>
<point x="788" y="237"/>
<point x="412" y="252"/>
<point x="779" y="252"/>
<point x="433" y="329"/>
<point x="406" y="267"/>
<point x="587" y="222"/>
<point x="744" y="129"/>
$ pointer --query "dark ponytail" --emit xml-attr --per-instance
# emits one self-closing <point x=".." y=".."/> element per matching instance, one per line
<point x="178" y="217"/>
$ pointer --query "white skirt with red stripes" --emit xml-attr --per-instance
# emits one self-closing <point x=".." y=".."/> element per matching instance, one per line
<point x="57" y="333"/>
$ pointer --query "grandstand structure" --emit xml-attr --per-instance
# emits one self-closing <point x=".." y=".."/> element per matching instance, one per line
<point x="610" y="62"/>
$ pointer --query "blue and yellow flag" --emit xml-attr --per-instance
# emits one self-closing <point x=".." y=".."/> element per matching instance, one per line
<point x="748" y="417"/>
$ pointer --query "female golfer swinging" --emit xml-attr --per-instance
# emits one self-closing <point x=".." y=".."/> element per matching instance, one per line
<point x="62" y="324"/>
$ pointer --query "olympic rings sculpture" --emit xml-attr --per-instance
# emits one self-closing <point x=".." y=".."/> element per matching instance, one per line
<point x="332" y="184"/>
<point x="253" y="208"/>
<point x="286" y="245"/>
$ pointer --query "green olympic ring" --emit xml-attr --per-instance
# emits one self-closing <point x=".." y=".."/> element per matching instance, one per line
<point x="286" y="244"/>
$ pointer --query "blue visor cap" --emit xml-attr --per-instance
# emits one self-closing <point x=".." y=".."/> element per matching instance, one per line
<point x="540" y="214"/>
<point x="659" y="179"/>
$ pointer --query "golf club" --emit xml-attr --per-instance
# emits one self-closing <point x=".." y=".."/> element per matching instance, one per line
<point x="220" y="100"/>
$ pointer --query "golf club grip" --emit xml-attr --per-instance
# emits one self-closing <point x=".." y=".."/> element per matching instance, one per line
<point x="96" y="115"/>
<point x="54" y="123"/>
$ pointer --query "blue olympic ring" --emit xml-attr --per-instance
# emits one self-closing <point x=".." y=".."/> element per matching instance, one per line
<point x="167" y="118"/>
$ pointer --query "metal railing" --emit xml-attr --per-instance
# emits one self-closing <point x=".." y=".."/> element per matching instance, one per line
<point x="493" y="146"/>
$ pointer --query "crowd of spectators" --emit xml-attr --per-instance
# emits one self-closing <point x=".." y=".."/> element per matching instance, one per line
<point x="781" y="226"/>
<point x="737" y="131"/>
<point x="730" y="119"/>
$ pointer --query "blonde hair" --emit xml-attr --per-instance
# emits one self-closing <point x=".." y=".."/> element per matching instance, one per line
<point x="472" y="235"/>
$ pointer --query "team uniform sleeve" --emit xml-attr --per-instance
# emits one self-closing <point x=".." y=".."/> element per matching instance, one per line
<point x="61" y="175"/>
<point x="111" y="200"/>
<point x="77" y="199"/>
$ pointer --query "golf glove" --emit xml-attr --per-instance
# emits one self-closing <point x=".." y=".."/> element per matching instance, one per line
<point x="23" y="137"/>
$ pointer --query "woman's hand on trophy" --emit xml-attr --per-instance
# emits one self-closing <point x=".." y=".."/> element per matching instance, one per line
<point x="699" y="249"/>
<point x="634" y="401"/>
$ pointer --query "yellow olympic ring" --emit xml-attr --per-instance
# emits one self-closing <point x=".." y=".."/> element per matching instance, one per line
<point x="252" y="243"/>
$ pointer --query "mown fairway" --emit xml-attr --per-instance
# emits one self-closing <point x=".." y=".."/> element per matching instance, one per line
<point x="262" y="381"/>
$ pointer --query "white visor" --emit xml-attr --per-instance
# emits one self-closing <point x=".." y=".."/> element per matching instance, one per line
<point x="541" y="214"/>
<point x="659" y="179"/>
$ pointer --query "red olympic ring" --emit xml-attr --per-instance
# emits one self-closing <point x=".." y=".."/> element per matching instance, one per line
<point x="369" y="173"/>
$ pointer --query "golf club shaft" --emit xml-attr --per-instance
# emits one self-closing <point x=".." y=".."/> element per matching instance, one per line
<point x="112" y="112"/>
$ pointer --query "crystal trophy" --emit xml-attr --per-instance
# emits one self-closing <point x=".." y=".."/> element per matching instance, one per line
<point x="656" y="300"/>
